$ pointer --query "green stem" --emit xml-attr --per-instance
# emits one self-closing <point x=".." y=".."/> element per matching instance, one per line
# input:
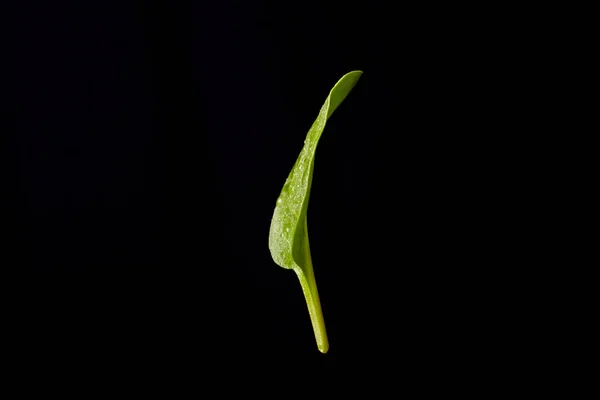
<point x="311" y="294"/>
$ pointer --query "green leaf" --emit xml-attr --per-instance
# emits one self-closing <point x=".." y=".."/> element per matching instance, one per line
<point x="288" y="236"/>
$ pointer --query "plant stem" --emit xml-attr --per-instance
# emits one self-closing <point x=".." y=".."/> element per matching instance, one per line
<point x="311" y="294"/>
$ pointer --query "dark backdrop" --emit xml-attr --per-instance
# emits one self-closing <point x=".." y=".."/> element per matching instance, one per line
<point x="152" y="140"/>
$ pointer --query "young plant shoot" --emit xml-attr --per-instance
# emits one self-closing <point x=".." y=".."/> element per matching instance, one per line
<point x="288" y="236"/>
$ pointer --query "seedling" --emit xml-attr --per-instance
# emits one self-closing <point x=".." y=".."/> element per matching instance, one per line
<point x="288" y="236"/>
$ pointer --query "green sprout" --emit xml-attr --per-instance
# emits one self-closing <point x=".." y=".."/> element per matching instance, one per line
<point x="288" y="236"/>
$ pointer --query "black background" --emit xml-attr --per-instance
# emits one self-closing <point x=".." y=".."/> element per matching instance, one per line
<point x="152" y="140"/>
